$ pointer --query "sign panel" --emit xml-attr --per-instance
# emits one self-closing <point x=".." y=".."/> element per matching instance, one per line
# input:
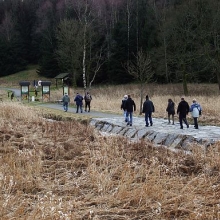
<point x="46" y="89"/>
<point x="24" y="90"/>
<point x="65" y="90"/>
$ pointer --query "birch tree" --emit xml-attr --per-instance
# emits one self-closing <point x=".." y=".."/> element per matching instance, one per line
<point x="69" y="37"/>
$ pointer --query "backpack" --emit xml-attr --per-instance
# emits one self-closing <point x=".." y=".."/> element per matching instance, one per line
<point x="200" y="111"/>
<point x="88" y="97"/>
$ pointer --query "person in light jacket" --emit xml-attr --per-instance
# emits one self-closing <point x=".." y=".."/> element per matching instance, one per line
<point x="195" y="110"/>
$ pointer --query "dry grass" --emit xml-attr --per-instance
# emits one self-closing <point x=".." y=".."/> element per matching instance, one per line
<point x="65" y="170"/>
<point x="108" y="98"/>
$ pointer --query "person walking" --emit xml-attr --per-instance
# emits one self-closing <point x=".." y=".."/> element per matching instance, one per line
<point x="130" y="106"/>
<point x="183" y="110"/>
<point x="88" y="99"/>
<point x="195" y="110"/>
<point x="170" y="110"/>
<point x="148" y="108"/>
<point x="65" y="100"/>
<point x="123" y="107"/>
<point x="79" y="102"/>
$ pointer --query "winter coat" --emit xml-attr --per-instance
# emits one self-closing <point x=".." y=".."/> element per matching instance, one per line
<point x="123" y="104"/>
<point x="148" y="106"/>
<point x="171" y="108"/>
<point x="78" y="99"/>
<point x="183" y="108"/>
<point x="130" y="105"/>
<point x="66" y="99"/>
<point x="195" y="108"/>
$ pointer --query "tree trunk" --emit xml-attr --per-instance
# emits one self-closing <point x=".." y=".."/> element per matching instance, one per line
<point x="165" y="57"/>
<point x="185" y="88"/>
<point x="218" y="80"/>
<point x="84" y="58"/>
<point x="141" y="94"/>
<point x="84" y="47"/>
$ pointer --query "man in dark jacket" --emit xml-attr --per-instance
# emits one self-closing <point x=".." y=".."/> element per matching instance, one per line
<point x="123" y="107"/>
<point x="79" y="102"/>
<point x="148" y="108"/>
<point x="130" y="107"/>
<point x="183" y="110"/>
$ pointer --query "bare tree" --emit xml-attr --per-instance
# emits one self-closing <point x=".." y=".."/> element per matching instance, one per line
<point x="141" y="70"/>
<point x="69" y="46"/>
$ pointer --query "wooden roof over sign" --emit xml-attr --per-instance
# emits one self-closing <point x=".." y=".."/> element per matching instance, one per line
<point x="61" y="76"/>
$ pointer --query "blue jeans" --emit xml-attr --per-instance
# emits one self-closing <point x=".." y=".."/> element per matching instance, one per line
<point x="125" y="115"/>
<point x="129" y="117"/>
<point x="148" y="115"/>
<point x="65" y="106"/>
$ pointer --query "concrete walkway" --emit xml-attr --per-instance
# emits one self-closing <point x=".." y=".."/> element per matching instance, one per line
<point x="160" y="133"/>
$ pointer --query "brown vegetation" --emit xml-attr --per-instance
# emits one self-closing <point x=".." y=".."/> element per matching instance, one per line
<point x="108" y="98"/>
<point x="65" y="170"/>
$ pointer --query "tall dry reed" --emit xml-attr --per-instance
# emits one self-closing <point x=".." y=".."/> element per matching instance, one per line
<point x="66" y="170"/>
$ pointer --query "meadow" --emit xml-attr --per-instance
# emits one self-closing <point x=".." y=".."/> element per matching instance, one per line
<point x="108" y="98"/>
<point x="66" y="170"/>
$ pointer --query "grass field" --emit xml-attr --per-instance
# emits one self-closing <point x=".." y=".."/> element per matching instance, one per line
<point x="66" y="170"/>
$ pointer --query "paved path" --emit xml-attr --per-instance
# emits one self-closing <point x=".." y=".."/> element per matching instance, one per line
<point x="73" y="110"/>
<point x="159" y="130"/>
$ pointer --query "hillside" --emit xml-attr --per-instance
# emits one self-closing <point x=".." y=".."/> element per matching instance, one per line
<point x="30" y="74"/>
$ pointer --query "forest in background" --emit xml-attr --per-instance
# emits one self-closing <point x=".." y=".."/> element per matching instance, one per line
<point x="96" y="40"/>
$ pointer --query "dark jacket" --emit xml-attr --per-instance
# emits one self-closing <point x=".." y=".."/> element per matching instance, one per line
<point x="130" y="105"/>
<point x="87" y="97"/>
<point x="148" y="106"/>
<point x="183" y="108"/>
<point x="78" y="99"/>
<point x="171" y="108"/>
<point x="123" y="104"/>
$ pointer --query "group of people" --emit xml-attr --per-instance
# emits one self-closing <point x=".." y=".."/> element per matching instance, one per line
<point x="79" y="102"/>
<point x="128" y="106"/>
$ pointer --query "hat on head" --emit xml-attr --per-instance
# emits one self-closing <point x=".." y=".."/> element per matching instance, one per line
<point x="125" y="96"/>
<point x="194" y="100"/>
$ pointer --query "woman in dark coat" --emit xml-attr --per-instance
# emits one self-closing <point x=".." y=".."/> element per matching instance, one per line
<point x="170" y="110"/>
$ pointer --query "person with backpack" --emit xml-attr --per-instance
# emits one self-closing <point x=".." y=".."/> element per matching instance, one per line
<point x="65" y="100"/>
<point x="79" y="102"/>
<point x="183" y="110"/>
<point x="148" y="108"/>
<point x="88" y="99"/>
<point x="123" y="107"/>
<point x="130" y="107"/>
<point x="196" y="111"/>
<point x="170" y="110"/>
